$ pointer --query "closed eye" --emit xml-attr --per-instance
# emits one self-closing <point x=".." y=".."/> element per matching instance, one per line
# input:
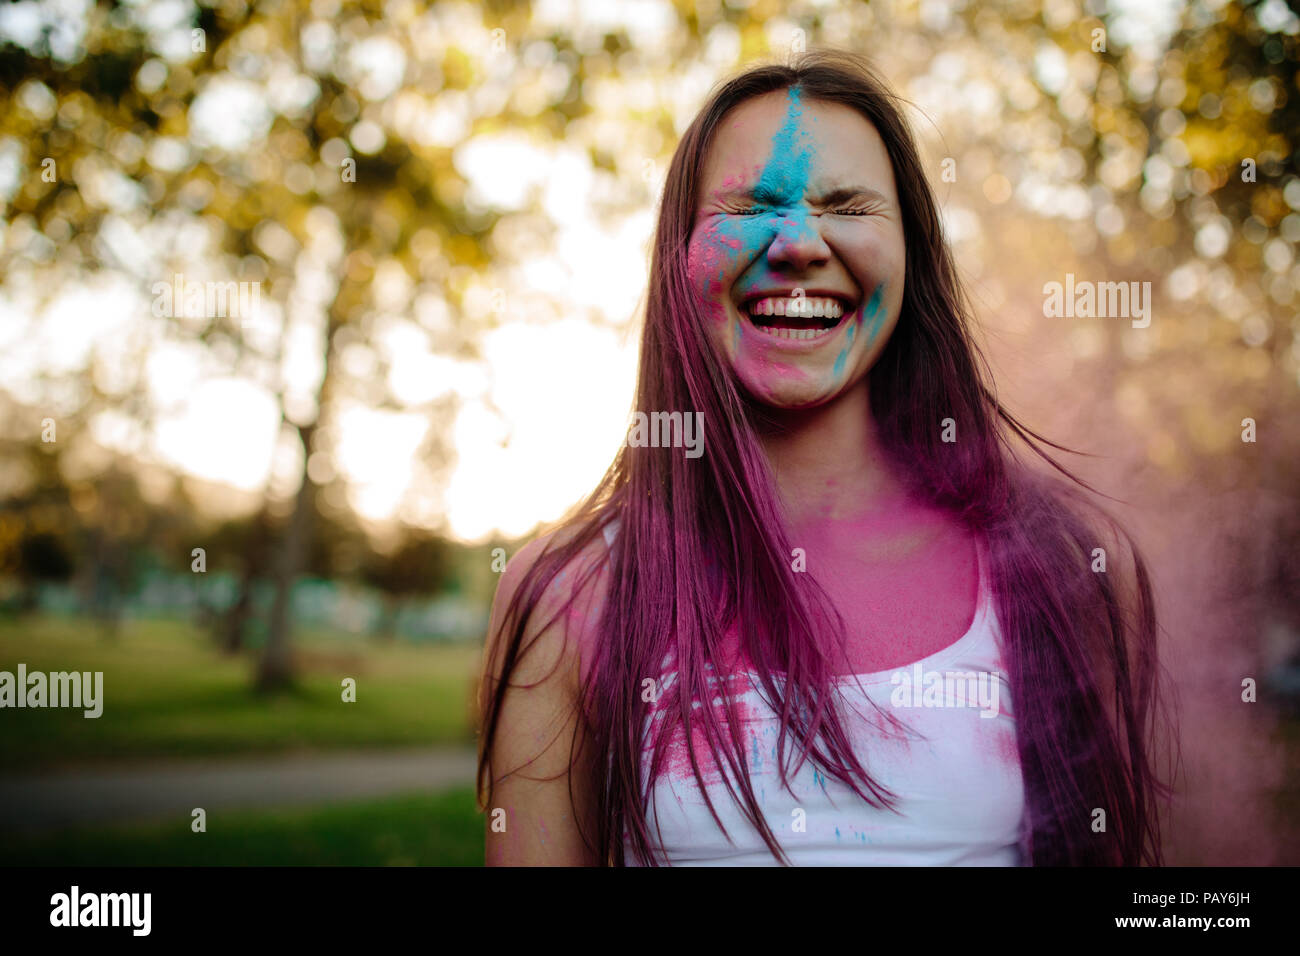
<point x="759" y="209"/>
<point x="864" y="209"/>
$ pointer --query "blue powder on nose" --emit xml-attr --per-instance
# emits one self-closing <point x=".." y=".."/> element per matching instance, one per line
<point x="780" y="188"/>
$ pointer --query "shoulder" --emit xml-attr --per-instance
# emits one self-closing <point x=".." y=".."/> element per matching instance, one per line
<point x="561" y="597"/>
<point x="534" y="754"/>
<point x="579" y="577"/>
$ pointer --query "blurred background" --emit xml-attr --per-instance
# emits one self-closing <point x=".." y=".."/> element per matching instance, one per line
<point x="312" y="312"/>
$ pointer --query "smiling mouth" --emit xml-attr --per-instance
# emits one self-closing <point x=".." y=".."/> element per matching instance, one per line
<point x="796" y="317"/>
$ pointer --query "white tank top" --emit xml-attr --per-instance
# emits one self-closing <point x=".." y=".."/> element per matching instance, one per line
<point x="956" y="778"/>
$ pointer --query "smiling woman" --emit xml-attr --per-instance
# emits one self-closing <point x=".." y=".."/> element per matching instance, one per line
<point x="798" y="217"/>
<point x="859" y="628"/>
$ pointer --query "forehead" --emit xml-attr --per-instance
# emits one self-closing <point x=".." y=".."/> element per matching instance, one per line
<point x="841" y="145"/>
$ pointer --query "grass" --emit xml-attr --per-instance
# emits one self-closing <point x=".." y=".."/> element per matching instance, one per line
<point x="168" y="693"/>
<point x="443" y="829"/>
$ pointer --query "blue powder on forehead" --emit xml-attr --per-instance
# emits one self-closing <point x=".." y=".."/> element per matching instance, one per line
<point x="786" y="174"/>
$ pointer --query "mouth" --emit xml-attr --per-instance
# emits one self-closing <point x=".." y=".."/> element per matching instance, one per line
<point x="797" y="318"/>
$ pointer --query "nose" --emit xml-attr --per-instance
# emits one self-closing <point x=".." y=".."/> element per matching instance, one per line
<point x="798" y="244"/>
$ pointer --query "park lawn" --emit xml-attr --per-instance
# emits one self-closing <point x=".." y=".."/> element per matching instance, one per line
<point x="443" y="829"/>
<point x="168" y="694"/>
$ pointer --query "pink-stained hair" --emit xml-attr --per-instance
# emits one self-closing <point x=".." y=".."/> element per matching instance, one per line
<point x="702" y="550"/>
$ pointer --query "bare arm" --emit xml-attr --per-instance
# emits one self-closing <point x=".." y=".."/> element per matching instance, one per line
<point x="537" y="754"/>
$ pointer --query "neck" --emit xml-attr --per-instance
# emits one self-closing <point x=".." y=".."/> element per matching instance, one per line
<point x="828" y="460"/>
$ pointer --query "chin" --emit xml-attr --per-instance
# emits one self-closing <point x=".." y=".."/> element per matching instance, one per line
<point x="790" y="394"/>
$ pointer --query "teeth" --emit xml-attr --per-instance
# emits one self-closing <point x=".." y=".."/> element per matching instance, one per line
<point x="802" y="306"/>
<point x="781" y="333"/>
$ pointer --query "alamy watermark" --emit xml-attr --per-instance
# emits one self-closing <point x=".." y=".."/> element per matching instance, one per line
<point x="920" y="688"/>
<point x="668" y="430"/>
<point x="75" y="908"/>
<point x="84" y="689"/>
<point x="199" y="300"/>
<point x="1101" y="300"/>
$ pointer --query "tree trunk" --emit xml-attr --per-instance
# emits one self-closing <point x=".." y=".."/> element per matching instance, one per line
<point x="230" y="626"/>
<point x="276" y="668"/>
<point x="385" y="629"/>
<point x="110" y="582"/>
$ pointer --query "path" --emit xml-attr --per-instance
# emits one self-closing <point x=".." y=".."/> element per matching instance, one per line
<point x="173" y="790"/>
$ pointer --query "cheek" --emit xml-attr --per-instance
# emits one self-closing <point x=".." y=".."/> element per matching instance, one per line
<point x="870" y="253"/>
<point x="873" y="327"/>
<point x="878" y="270"/>
<point x="710" y="267"/>
<point x="720" y="251"/>
<point x="877" y="264"/>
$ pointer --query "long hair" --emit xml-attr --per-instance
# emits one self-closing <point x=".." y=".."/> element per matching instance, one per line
<point x="701" y="551"/>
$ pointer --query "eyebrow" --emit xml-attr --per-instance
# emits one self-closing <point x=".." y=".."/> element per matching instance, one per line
<point x="840" y="194"/>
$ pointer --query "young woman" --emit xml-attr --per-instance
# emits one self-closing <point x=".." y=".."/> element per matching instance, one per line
<point x="854" y="626"/>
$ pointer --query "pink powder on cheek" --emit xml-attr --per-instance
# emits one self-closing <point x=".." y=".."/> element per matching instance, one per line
<point x="711" y="260"/>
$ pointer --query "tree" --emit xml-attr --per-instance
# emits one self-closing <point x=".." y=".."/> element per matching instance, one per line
<point x="420" y="565"/>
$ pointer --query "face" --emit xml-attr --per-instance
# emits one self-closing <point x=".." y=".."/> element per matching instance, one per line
<point x="797" y="251"/>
